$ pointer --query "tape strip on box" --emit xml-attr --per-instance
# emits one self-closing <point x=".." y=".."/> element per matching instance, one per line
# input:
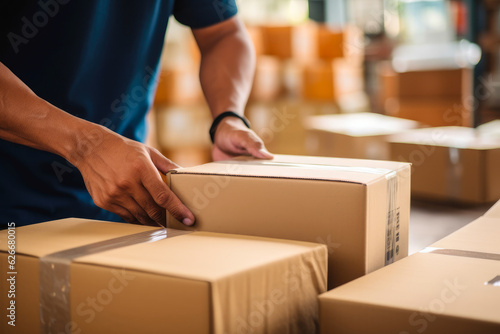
<point x="55" y="310"/>
<point x="472" y="254"/>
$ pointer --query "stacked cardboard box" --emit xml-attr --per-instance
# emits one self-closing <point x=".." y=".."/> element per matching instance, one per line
<point x="450" y="163"/>
<point x="358" y="136"/>
<point x="439" y="97"/>
<point x="450" y="287"/>
<point x="86" y="276"/>
<point x="358" y="208"/>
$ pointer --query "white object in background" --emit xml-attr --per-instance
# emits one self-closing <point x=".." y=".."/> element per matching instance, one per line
<point x="460" y="54"/>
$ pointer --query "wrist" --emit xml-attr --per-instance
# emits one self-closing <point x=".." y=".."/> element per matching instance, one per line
<point x="225" y="119"/>
<point x="83" y="140"/>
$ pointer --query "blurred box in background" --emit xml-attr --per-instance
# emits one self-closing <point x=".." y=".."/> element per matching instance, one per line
<point x="358" y="136"/>
<point x="179" y="86"/>
<point x="450" y="287"/>
<point x="330" y="80"/>
<point x="438" y="97"/>
<point x="450" y="163"/>
<point x="280" y="122"/>
<point x="290" y="41"/>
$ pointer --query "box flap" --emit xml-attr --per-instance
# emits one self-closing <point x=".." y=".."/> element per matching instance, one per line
<point x="50" y="237"/>
<point x="447" y="136"/>
<point x="301" y="167"/>
<point x="360" y="124"/>
<point x="197" y="255"/>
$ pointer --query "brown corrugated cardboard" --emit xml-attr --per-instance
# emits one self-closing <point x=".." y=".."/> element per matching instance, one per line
<point x="450" y="163"/>
<point x="356" y="207"/>
<point x="358" y="136"/>
<point x="451" y="287"/>
<point x="192" y="283"/>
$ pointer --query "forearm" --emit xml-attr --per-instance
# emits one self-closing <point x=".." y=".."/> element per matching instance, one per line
<point x="227" y="68"/>
<point x="29" y="120"/>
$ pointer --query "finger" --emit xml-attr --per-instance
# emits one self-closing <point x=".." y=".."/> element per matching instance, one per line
<point x="123" y="213"/>
<point x="147" y="203"/>
<point x="165" y="198"/>
<point x="254" y="146"/>
<point x="133" y="209"/>
<point x="161" y="162"/>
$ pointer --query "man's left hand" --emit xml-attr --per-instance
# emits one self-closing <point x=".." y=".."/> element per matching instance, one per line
<point x="233" y="138"/>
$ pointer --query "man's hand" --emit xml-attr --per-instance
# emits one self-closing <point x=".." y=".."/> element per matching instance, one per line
<point x="123" y="176"/>
<point x="233" y="138"/>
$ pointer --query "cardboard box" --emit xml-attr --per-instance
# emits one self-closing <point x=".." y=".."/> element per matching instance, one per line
<point x="330" y="42"/>
<point x="494" y="212"/>
<point x="279" y="123"/>
<point x="358" y="208"/>
<point x="452" y="287"/>
<point x="433" y="97"/>
<point x="450" y="164"/>
<point x="440" y="83"/>
<point x="180" y="85"/>
<point x="287" y="41"/>
<point x="432" y="112"/>
<point x="189" y="283"/>
<point x="358" y="136"/>
<point x="328" y="80"/>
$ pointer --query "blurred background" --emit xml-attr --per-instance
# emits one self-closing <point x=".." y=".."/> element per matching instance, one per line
<point x="433" y="61"/>
<point x="345" y="78"/>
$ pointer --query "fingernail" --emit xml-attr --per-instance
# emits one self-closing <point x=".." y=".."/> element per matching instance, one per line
<point x="187" y="222"/>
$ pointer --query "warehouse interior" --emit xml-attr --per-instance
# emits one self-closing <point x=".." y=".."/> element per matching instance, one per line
<point x="432" y="62"/>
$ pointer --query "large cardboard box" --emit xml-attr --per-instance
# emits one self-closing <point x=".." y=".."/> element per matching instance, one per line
<point x="185" y="283"/>
<point x="358" y="135"/>
<point x="450" y="163"/>
<point x="451" y="287"/>
<point x="358" y="208"/>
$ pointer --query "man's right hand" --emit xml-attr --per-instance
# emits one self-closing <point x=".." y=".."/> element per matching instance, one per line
<point x="123" y="176"/>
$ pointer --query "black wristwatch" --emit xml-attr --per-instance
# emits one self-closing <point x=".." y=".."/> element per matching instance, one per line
<point x="220" y="117"/>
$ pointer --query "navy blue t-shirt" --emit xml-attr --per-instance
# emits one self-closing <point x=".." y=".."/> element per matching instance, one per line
<point x="95" y="59"/>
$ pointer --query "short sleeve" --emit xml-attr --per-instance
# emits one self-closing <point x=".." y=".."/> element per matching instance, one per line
<point x="203" y="13"/>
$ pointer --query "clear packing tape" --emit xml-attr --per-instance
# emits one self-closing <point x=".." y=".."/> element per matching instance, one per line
<point x="470" y="254"/>
<point x="54" y="270"/>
